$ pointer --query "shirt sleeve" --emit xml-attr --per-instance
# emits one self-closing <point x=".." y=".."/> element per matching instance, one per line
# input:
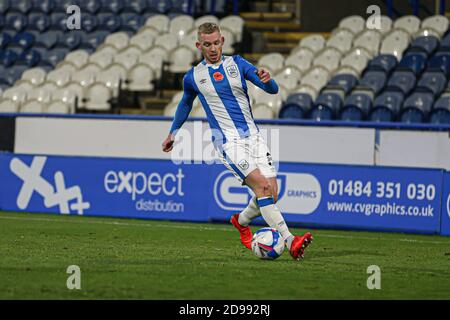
<point x="249" y="72"/>
<point x="185" y="105"/>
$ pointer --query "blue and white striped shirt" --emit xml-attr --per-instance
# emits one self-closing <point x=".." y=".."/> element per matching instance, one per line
<point x="222" y="90"/>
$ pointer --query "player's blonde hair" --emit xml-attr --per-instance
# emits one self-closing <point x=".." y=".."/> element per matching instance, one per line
<point x="207" y="28"/>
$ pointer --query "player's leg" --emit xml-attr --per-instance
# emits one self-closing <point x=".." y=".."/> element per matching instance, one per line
<point x="266" y="191"/>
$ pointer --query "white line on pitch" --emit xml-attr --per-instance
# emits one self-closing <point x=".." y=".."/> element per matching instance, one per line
<point x="193" y="227"/>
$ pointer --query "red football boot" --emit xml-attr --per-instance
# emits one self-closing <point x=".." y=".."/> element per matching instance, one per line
<point x="299" y="245"/>
<point x="245" y="232"/>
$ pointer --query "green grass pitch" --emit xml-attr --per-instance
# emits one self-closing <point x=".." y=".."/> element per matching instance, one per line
<point x="143" y="259"/>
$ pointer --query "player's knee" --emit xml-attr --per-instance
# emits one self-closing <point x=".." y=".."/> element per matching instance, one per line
<point x="265" y="189"/>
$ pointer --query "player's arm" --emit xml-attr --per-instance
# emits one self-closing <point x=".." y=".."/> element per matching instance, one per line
<point x="259" y="77"/>
<point x="183" y="109"/>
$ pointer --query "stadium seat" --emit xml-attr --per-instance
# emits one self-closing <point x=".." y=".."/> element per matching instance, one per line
<point x="119" y="40"/>
<point x="316" y="77"/>
<point x="32" y="106"/>
<point x="49" y="39"/>
<point x="385" y="25"/>
<point x="345" y="82"/>
<point x="15" y="22"/>
<point x="369" y="40"/>
<point x="179" y="7"/>
<point x="58" y="107"/>
<point x="132" y="23"/>
<point x="414" y="62"/>
<point x="112" y="6"/>
<point x="438" y="22"/>
<point x="440" y="113"/>
<point x="135" y="7"/>
<point x="16" y="94"/>
<point x="403" y="81"/>
<point x="38" y="23"/>
<point x="427" y="44"/>
<point x="181" y="60"/>
<point x="90" y="6"/>
<point x="410" y="24"/>
<point x="313" y="42"/>
<point x="143" y="40"/>
<point x="20" y="6"/>
<point x="341" y="39"/>
<point x="159" y="6"/>
<point x="355" y="23"/>
<point x="36" y="76"/>
<point x="94" y="39"/>
<point x="72" y="41"/>
<point x="262" y="111"/>
<point x="62" y="5"/>
<point x="416" y="107"/>
<point x="289" y="77"/>
<point x="102" y="58"/>
<point x="9" y="106"/>
<point x="43" y="93"/>
<point x="97" y="97"/>
<point x="296" y="106"/>
<point x="22" y="40"/>
<point x="69" y="94"/>
<point x="128" y="58"/>
<point x="60" y="77"/>
<point x="5" y="39"/>
<point x="112" y="78"/>
<point x="395" y="43"/>
<point x="374" y="80"/>
<point x="54" y="57"/>
<point x="356" y="107"/>
<point x="181" y="25"/>
<point x="89" y="22"/>
<point x="159" y="22"/>
<point x="140" y="78"/>
<point x="154" y="60"/>
<point x="326" y="106"/>
<point x="77" y="57"/>
<point x="4" y="6"/>
<point x="329" y="58"/>
<point x="109" y="22"/>
<point x="235" y="24"/>
<point x="29" y="58"/>
<point x="44" y="6"/>
<point x="8" y="57"/>
<point x="356" y="59"/>
<point x="206" y="18"/>
<point x="301" y="59"/>
<point x="386" y="106"/>
<point x="58" y="21"/>
<point x="440" y="62"/>
<point x="432" y="82"/>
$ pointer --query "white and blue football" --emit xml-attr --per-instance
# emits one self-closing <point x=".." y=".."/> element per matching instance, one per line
<point x="267" y="244"/>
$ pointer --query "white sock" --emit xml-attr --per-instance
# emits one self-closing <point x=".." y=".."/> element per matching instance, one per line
<point x="272" y="215"/>
<point x="249" y="213"/>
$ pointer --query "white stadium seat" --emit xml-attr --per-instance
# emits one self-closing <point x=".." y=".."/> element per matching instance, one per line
<point x="274" y="101"/>
<point x="347" y="70"/>
<point x="181" y="60"/>
<point x="386" y="25"/>
<point x="170" y="109"/>
<point x="77" y="57"/>
<point x="112" y="77"/>
<point x="305" y="88"/>
<point x="167" y="41"/>
<point x="154" y="60"/>
<point x="207" y="18"/>
<point x="354" y="23"/>
<point x="105" y="47"/>
<point x="60" y="77"/>
<point x="16" y="94"/>
<point x="68" y="66"/>
<point x="69" y="94"/>
<point x="86" y="76"/>
<point x="9" y="106"/>
<point x="271" y="61"/>
<point x="341" y="39"/>
<point x="128" y="58"/>
<point x="235" y="24"/>
<point x="395" y="43"/>
<point x="317" y="77"/>
<point x="428" y="31"/>
<point x="302" y="59"/>
<point x="289" y="77"/>
<point x="140" y="77"/>
<point x="160" y="22"/>
<point x="370" y="40"/>
<point x="314" y="42"/>
<point x="181" y="25"/>
<point x="32" y="106"/>
<point x="144" y="40"/>
<point x="262" y="111"/>
<point x="35" y="76"/>
<point x="410" y="24"/>
<point x="229" y="41"/>
<point x="118" y="39"/>
<point x="190" y="40"/>
<point x="24" y="85"/>
<point x="356" y="59"/>
<point x="102" y="58"/>
<point x="328" y="58"/>
<point x="58" y="107"/>
<point x="43" y="93"/>
<point x="97" y="97"/>
<point x="438" y="22"/>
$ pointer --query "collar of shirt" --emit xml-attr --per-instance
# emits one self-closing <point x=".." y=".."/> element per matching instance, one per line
<point x="213" y="64"/>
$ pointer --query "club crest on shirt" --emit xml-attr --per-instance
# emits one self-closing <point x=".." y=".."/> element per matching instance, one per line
<point x="243" y="164"/>
<point x="232" y="71"/>
<point x="218" y="76"/>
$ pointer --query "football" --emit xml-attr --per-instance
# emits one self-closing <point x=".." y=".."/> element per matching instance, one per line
<point x="267" y="244"/>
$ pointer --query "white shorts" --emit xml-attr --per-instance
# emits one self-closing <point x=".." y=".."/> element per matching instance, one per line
<point x="245" y="155"/>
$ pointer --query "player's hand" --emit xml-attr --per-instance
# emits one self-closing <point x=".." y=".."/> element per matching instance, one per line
<point x="263" y="75"/>
<point x="167" y="145"/>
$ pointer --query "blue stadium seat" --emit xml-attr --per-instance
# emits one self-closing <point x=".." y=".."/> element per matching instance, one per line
<point x="23" y="40"/>
<point x="375" y="80"/>
<point x="90" y="6"/>
<point x="433" y="82"/>
<point x="54" y="57"/>
<point x="89" y="22"/>
<point x="132" y="22"/>
<point x="427" y="44"/>
<point x="5" y="39"/>
<point x="21" y="6"/>
<point x="44" y="6"/>
<point x="96" y="38"/>
<point x="71" y="40"/>
<point x="136" y="7"/>
<point x="413" y="61"/>
<point x="29" y="58"/>
<point x="346" y="82"/>
<point x="159" y="6"/>
<point x="109" y="22"/>
<point x="16" y="72"/>
<point x="39" y="23"/>
<point x="440" y="113"/>
<point x="403" y="81"/>
<point x="112" y="6"/>
<point x="440" y="62"/>
<point x="356" y="107"/>
<point x="180" y="6"/>
<point x="386" y="106"/>
<point x="296" y="106"/>
<point x="48" y="39"/>
<point x="86" y="41"/>
<point x="4" y="6"/>
<point x="383" y="62"/>
<point x="2" y="22"/>
<point x="8" y="57"/>
<point x="62" y="5"/>
<point x="326" y="106"/>
<point x="417" y="107"/>
<point x="16" y="22"/>
<point x="445" y="44"/>
<point x="59" y="21"/>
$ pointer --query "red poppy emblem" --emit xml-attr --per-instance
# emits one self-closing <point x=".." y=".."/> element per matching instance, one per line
<point x="218" y="76"/>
